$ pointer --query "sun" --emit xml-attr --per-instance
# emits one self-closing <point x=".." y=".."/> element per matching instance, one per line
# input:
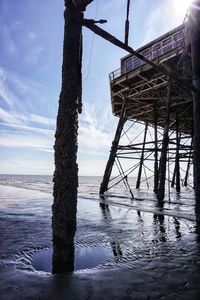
<point x="181" y="6"/>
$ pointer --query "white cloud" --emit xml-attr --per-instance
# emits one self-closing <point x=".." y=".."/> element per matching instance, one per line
<point x="26" y="140"/>
<point x="41" y="120"/>
<point x="18" y="25"/>
<point x="32" y="35"/>
<point x="96" y="130"/>
<point x="115" y="4"/>
<point x="35" y="55"/>
<point x="24" y="128"/>
<point x="167" y="15"/>
<point x="6" y="94"/>
<point x="152" y="23"/>
<point x="16" y="131"/>
<point x="24" y="121"/>
<point x="92" y="139"/>
<point x="26" y="166"/>
<point x="87" y="167"/>
<point x="6" y="39"/>
<point x="21" y="93"/>
<point x="8" y="118"/>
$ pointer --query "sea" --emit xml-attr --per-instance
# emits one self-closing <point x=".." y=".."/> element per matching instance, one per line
<point x="44" y="183"/>
<point x="29" y="187"/>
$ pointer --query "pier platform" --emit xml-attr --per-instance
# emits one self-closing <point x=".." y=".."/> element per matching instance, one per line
<point x="158" y="109"/>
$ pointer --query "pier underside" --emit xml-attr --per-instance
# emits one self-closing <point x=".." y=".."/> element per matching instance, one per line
<point x="145" y="88"/>
<point x="153" y="140"/>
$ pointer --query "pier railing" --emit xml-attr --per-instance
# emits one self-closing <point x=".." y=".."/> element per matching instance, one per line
<point x="152" y="52"/>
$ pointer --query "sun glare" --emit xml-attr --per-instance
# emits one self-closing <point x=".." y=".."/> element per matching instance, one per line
<point x="181" y="6"/>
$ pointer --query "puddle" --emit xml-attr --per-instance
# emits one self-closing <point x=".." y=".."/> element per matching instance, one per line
<point x="85" y="258"/>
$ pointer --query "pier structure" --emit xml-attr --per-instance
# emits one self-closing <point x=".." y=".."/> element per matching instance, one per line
<point x="154" y="135"/>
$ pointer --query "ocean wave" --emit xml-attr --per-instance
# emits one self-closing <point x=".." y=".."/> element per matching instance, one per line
<point x="28" y="183"/>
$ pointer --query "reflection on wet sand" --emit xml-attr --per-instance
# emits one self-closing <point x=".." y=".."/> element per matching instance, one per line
<point x="64" y="263"/>
<point x="115" y="245"/>
<point x="159" y="219"/>
<point x="105" y="210"/>
<point x="162" y="229"/>
<point x="177" y="228"/>
<point x="139" y="216"/>
<point x="84" y="258"/>
<point x="116" y="249"/>
<point x="159" y="232"/>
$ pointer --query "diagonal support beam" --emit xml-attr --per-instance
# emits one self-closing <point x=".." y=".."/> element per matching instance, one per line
<point x="113" y="151"/>
<point x="89" y="23"/>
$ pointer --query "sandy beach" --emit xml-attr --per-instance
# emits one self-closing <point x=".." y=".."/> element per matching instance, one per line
<point x="155" y="256"/>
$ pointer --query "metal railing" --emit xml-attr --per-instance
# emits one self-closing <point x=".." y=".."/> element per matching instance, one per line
<point x="153" y="52"/>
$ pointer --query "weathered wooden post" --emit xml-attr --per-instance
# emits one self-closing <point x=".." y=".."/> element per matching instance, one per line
<point x="156" y="147"/>
<point x="142" y="158"/>
<point x="195" y="51"/>
<point x="163" y="158"/>
<point x="188" y="165"/>
<point x="66" y="168"/>
<point x="176" y="174"/>
<point x="178" y="137"/>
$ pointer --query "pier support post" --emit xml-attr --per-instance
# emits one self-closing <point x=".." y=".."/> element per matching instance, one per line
<point x="156" y="148"/>
<point x="142" y="158"/>
<point x="174" y="176"/>
<point x="163" y="158"/>
<point x="188" y="167"/>
<point x="195" y="52"/>
<point x="176" y="173"/>
<point x="66" y="169"/>
<point x="113" y="151"/>
<point x="178" y="187"/>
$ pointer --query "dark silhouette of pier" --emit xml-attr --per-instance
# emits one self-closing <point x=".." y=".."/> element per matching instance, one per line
<point x="163" y="106"/>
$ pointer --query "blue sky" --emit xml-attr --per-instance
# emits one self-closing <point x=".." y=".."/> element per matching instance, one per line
<point x="31" y="38"/>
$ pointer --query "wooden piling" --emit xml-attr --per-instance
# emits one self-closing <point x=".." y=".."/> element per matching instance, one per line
<point x="142" y="158"/>
<point x="174" y="176"/>
<point x="155" y="148"/>
<point x="176" y="173"/>
<point x="66" y="169"/>
<point x="178" y="187"/>
<point x="163" y="159"/>
<point x="188" y="166"/>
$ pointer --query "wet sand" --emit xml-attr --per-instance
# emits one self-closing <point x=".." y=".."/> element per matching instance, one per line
<point x="155" y="256"/>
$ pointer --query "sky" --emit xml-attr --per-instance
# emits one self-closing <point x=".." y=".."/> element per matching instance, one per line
<point x="31" y="43"/>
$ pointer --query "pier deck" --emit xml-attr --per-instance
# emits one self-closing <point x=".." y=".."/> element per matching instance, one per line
<point x="140" y="87"/>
